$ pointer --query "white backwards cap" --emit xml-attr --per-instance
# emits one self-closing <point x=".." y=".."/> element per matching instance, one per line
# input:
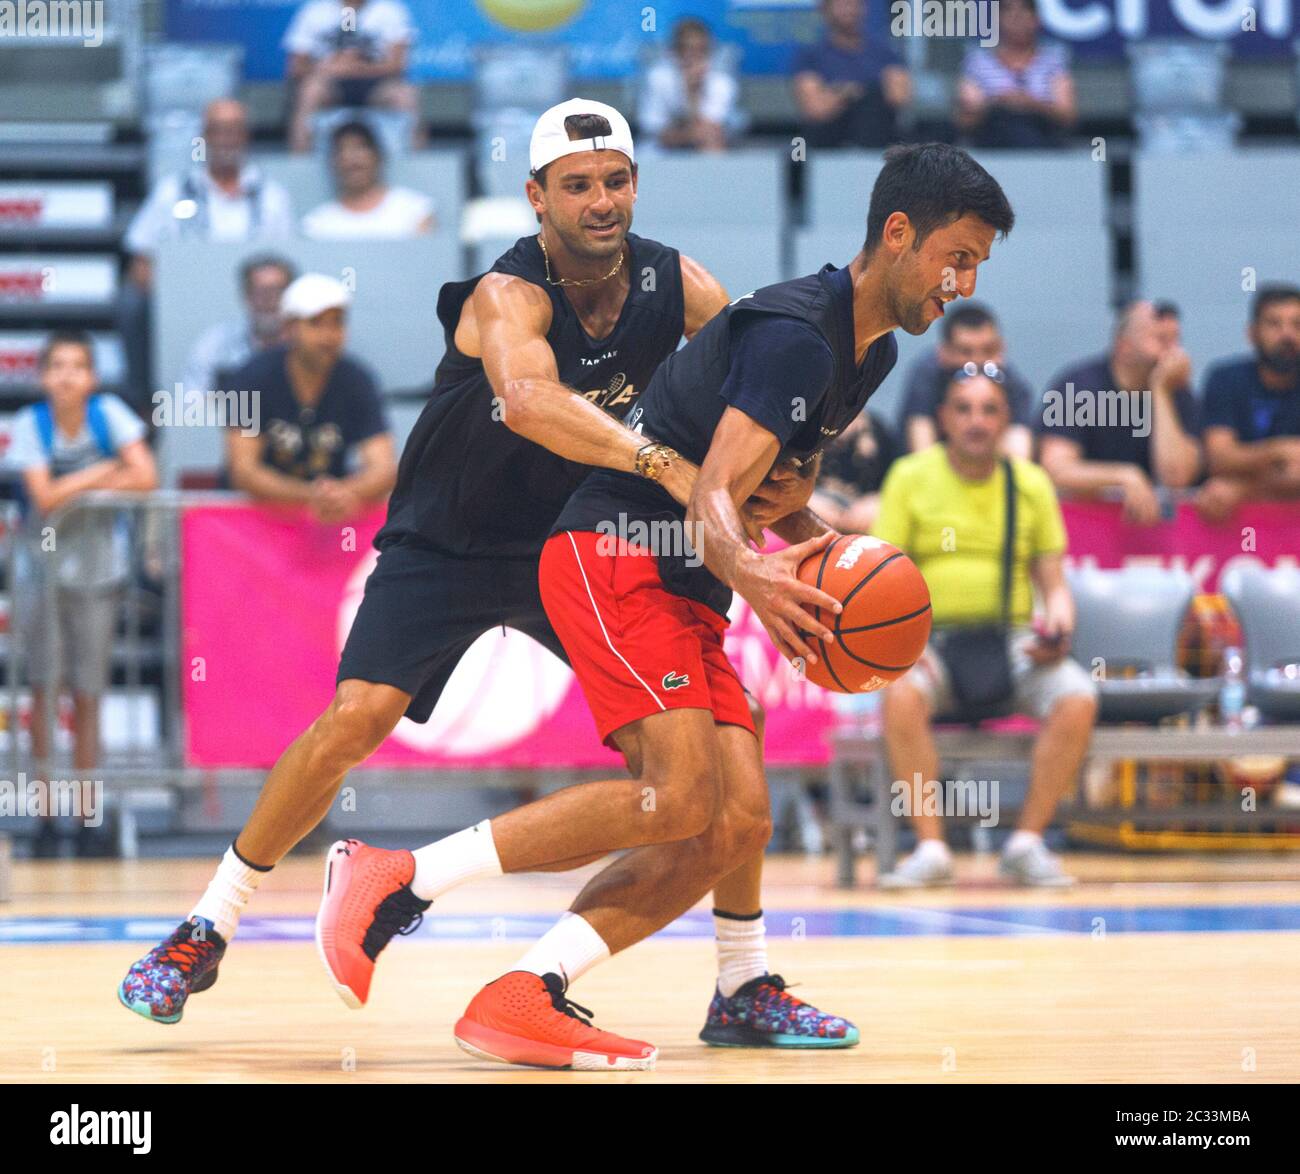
<point x="551" y="141"/>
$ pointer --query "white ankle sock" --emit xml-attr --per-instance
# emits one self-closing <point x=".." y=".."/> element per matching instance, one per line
<point x="463" y="856"/>
<point x="1021" y="841"/>
<point x="228" y="892"/>
<point x="935" y="850"/>
<point x="569" y="948"/>
<point x="742" y="950"/>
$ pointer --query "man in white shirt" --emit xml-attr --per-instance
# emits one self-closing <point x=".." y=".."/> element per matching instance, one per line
<point x="224" y="199"/>
<point x="365" y="207"/>
<point x="348" y="54"/>
<point x="688" y="102"/>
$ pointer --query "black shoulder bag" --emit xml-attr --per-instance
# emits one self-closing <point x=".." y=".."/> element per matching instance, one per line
<point x="976" y="656"/>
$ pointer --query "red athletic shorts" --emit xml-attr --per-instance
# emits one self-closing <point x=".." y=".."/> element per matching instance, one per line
<point x="637" y="648"/>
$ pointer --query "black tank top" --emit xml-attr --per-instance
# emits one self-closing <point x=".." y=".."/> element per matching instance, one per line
<point x="466" y="484"/>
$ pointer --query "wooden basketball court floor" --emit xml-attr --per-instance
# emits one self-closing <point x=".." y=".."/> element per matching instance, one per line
<point x="1151" y="970"/>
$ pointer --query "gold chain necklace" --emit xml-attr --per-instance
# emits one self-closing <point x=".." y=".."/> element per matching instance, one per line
<point x="541" y="240"/>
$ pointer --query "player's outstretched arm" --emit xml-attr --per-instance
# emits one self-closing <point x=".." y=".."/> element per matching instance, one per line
<point x="739" y="457"/>
<point x="512" y="318"/>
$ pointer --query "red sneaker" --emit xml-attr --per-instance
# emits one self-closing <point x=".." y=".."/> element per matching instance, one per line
<point x="367" y="899"/>
<point x="524" y="1019"/>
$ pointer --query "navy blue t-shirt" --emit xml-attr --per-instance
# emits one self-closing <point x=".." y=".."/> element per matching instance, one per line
<point x="867" y="122"/>
<point x="833" y="64"/>
<point x="1236" y="398"/>
<point x="312" y="441"/>
<point x="780" y="373"/>
<point x="1112" y="441"/>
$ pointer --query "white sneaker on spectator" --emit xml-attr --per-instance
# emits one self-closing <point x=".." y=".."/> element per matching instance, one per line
<point x="1034" y="865"/>
<point x="930" y="866"/>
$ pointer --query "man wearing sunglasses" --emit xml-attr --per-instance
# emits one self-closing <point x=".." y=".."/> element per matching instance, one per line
<point x="970" y="334"/>
<point x="947" y="508"/>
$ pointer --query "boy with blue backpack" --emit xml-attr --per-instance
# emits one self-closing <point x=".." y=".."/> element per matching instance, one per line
<point x="74" y="441"/>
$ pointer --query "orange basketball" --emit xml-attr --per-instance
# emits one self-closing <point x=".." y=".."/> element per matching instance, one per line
<point x="886" y="618"/>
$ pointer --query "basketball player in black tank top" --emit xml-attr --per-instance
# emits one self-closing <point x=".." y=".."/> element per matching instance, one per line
<point x="474" y="502"/>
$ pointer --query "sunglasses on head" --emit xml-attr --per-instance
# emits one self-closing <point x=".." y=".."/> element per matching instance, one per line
<point x="972" y="370"/>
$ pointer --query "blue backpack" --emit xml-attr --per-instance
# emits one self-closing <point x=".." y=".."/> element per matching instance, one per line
<point x="96" y="421"/>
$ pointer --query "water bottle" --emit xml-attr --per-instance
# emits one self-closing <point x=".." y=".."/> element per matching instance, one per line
<point x="1232" y="693"/>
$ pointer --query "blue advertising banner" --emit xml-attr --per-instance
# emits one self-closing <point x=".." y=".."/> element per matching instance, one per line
<point x="607" y="38"/>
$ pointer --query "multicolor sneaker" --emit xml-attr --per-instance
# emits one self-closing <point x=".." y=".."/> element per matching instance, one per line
<point x="367" y="901"/>
<point x="186" y="963"/>
<point x="763" y="1014"/>
<point x="524" y="1019"/>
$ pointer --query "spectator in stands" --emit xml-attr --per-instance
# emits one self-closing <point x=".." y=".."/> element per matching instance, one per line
<point x="689" y="103"/>
<point x="323" y="440"/>
<point x="349" y="53"/>
<point x="364" y="206"/>
<point x="849" y="88"/>
<point x="1126" y="422"/>
<point x="970" y="334"/>
<point x="853" y="470"/>
<point x="73" y="441"/>
<point x="224" y="199"/>
<point x="1019" y="94"/>
<point x="226" y="346"/>
<point x="1252" y="408"/>
<point x="946" y="507"/>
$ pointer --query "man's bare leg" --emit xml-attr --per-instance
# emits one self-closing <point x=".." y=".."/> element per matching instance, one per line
<point x="1058" y="753"/>
<point x="654" y="885"/>
<point x="304" y="781"/>
<point x="739" y="932"/>
<point x="694" y="785"/>
<point x="298" y="792"/>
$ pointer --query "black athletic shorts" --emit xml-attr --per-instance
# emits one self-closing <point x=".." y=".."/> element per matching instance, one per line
<point x="423" y="609"/>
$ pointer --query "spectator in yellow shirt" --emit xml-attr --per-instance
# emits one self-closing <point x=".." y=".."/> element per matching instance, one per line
<point x="946" y="507"/>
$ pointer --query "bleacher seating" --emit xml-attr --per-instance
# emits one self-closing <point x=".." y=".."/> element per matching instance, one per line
<point x="728" y="212"/>
<point x="1208" y="246"/>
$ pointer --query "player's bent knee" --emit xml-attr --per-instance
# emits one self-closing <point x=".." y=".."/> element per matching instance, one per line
<point x="686" y="813"/>
<point x="360" y="718"/>
<point x="683" y="804"/>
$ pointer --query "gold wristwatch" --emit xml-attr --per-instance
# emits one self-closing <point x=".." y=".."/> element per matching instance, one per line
<point x="653" y="460"/>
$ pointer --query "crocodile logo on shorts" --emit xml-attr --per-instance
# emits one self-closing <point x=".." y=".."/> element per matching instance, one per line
<point x="676" y="680"/>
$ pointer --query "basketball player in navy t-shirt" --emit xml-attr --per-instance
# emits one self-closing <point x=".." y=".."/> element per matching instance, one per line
<point x="502" y="442"/>
<point x="771" y="379"/>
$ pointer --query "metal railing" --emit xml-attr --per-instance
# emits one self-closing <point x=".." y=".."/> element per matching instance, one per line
<point x="144" y="750"/>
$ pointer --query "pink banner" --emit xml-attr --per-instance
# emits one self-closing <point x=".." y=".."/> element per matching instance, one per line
<point x="268" y="597"/>
<point x="1263" y="532"/>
